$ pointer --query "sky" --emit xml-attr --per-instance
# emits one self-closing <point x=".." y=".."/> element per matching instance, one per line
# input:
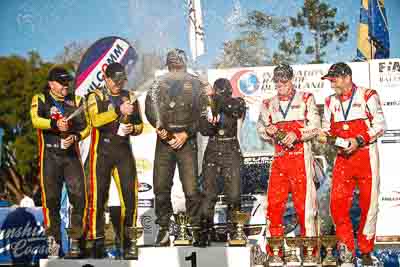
<point x="46" y="26"/>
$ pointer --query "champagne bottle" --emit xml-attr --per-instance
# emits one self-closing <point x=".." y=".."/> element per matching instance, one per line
<point x="212" y="107"/>
<point x="125" y="119"/>
<point x="170" y="136"/>
<point x="334" y="140"/>
<point x="338" y="141"/>
<point x="279" y="136"/>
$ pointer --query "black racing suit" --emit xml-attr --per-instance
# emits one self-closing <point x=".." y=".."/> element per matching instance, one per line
<point x="58" y="165"/>
<point x="222" y="156"/>
<point x="111" y="154"/>
<point x="174" y="103"/>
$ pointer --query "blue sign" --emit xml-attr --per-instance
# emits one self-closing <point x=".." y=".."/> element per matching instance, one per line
<point x="22" y="236"/>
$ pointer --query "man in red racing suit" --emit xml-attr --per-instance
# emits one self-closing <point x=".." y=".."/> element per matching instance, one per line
<point x="355" y="114"/>
<point x="290" y="120"/>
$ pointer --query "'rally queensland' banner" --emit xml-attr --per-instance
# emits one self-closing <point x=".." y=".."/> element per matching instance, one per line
<point x="102" y="53"/>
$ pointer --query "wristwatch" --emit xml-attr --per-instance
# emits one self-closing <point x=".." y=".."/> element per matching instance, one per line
<point x="360" y="140"/>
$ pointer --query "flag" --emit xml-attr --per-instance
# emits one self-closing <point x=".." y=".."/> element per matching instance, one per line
<point x="196" y="30"/>
<point x="373" y="32"/>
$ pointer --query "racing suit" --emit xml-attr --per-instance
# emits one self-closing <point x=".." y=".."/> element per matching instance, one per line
<point x="58" y="165"/>
<point x="292" y="169"/>
<point x="111" y="154"/>
<point x="364" y="118"/>
<point x="222" y="157"/>
<point x="174" y="103"/>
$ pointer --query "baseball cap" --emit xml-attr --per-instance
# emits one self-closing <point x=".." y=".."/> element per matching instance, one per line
<point x="337" y="70"/>
<point x="59" y="74"/>
<point x="283" y="72"/>
<point x="176" y="56"/>
<point x="116" y="72"/>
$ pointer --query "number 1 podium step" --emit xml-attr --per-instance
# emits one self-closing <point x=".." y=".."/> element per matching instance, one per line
<point x="168" y="256"/>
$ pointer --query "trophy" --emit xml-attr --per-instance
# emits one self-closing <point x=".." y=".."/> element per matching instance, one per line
<point x="329" y="242"/>
<point x="309" y="243"/>
<point x="182" y="239"/>
<point x="276" y="244"/>
<point x="293" y="243"/>
<point x="239" y="238"/>
<point x="133" y="233"/>
<point x="258" y="257"/>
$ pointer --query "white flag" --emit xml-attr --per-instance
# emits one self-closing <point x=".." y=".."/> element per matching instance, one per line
<point x="196" y="30"/>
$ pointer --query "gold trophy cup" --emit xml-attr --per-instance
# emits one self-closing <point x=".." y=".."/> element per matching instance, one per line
<point x="293" y="243"/>
<point x="276" y="244"/>
<point x="239" y="238"/>
<point x="183" y="238"/>
<point x="329" y="242"/>
<point x="310" y="243"/>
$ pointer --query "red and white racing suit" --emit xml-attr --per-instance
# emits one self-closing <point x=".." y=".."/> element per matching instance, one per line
<point x="364" y="118"/>
<point x="292" y="169"/>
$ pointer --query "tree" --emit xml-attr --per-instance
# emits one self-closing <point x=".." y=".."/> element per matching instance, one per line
<point x="249" y="48"/>
<point x="246" y="51"/>
<point x="315" y="17"/>
<point x="72" y="54"/>
<point x="318" y="18"/>
<point x="20" y="79"/>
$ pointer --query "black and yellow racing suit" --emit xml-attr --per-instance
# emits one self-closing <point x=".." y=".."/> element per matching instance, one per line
<point x="111" y="154"/>
<point x="58" y="165"/>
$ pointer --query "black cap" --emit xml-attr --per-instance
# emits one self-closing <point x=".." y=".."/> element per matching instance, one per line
<point x="116" y="72"/>
<point x="59" y="74"/>
<point x="337" y="70"/>
<point x="176" y="56"/>
<point x="283" y="72"/>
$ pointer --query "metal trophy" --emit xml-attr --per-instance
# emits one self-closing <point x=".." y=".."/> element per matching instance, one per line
<point x="239" y="238"/>
<point x="276" y="244"/>
<point x="183" y="238"/>
<point x="293" y="243"/>
<point x="259" y="258"/>
<point x="329" y="242"/>
<point x="310" y="244"/>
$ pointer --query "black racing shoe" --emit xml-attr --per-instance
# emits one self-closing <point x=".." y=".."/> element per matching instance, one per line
<point x="162" y="239"/>
<point x="75" y="251"/>
<point x="201" y="238"/>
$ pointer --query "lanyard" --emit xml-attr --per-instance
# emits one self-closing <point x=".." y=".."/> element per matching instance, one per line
<point x="346" y="113"/>
<point x="114" y="103"/>
<point x="284" y="113"/>
<point x="59" y="106"/>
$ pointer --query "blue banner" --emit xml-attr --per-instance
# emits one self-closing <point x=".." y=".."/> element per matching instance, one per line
<point x="22" y="236"/>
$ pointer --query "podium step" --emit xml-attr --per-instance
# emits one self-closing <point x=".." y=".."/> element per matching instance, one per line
<point x="168" y="256"/>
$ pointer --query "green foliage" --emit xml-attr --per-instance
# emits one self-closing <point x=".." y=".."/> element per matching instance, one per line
<point x="249" y="49"/>
<point x="319" y="19"/>
<point x="20" y="79"/>
<point x="308" y="33"/>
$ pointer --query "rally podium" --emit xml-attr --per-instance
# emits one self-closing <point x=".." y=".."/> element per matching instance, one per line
<point x="215" y="256"/>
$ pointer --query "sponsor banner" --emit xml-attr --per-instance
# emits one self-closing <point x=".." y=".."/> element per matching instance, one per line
<point x="22" y="236"/>
<point x="103" y="52"/>
<point x="385" y="78"/>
